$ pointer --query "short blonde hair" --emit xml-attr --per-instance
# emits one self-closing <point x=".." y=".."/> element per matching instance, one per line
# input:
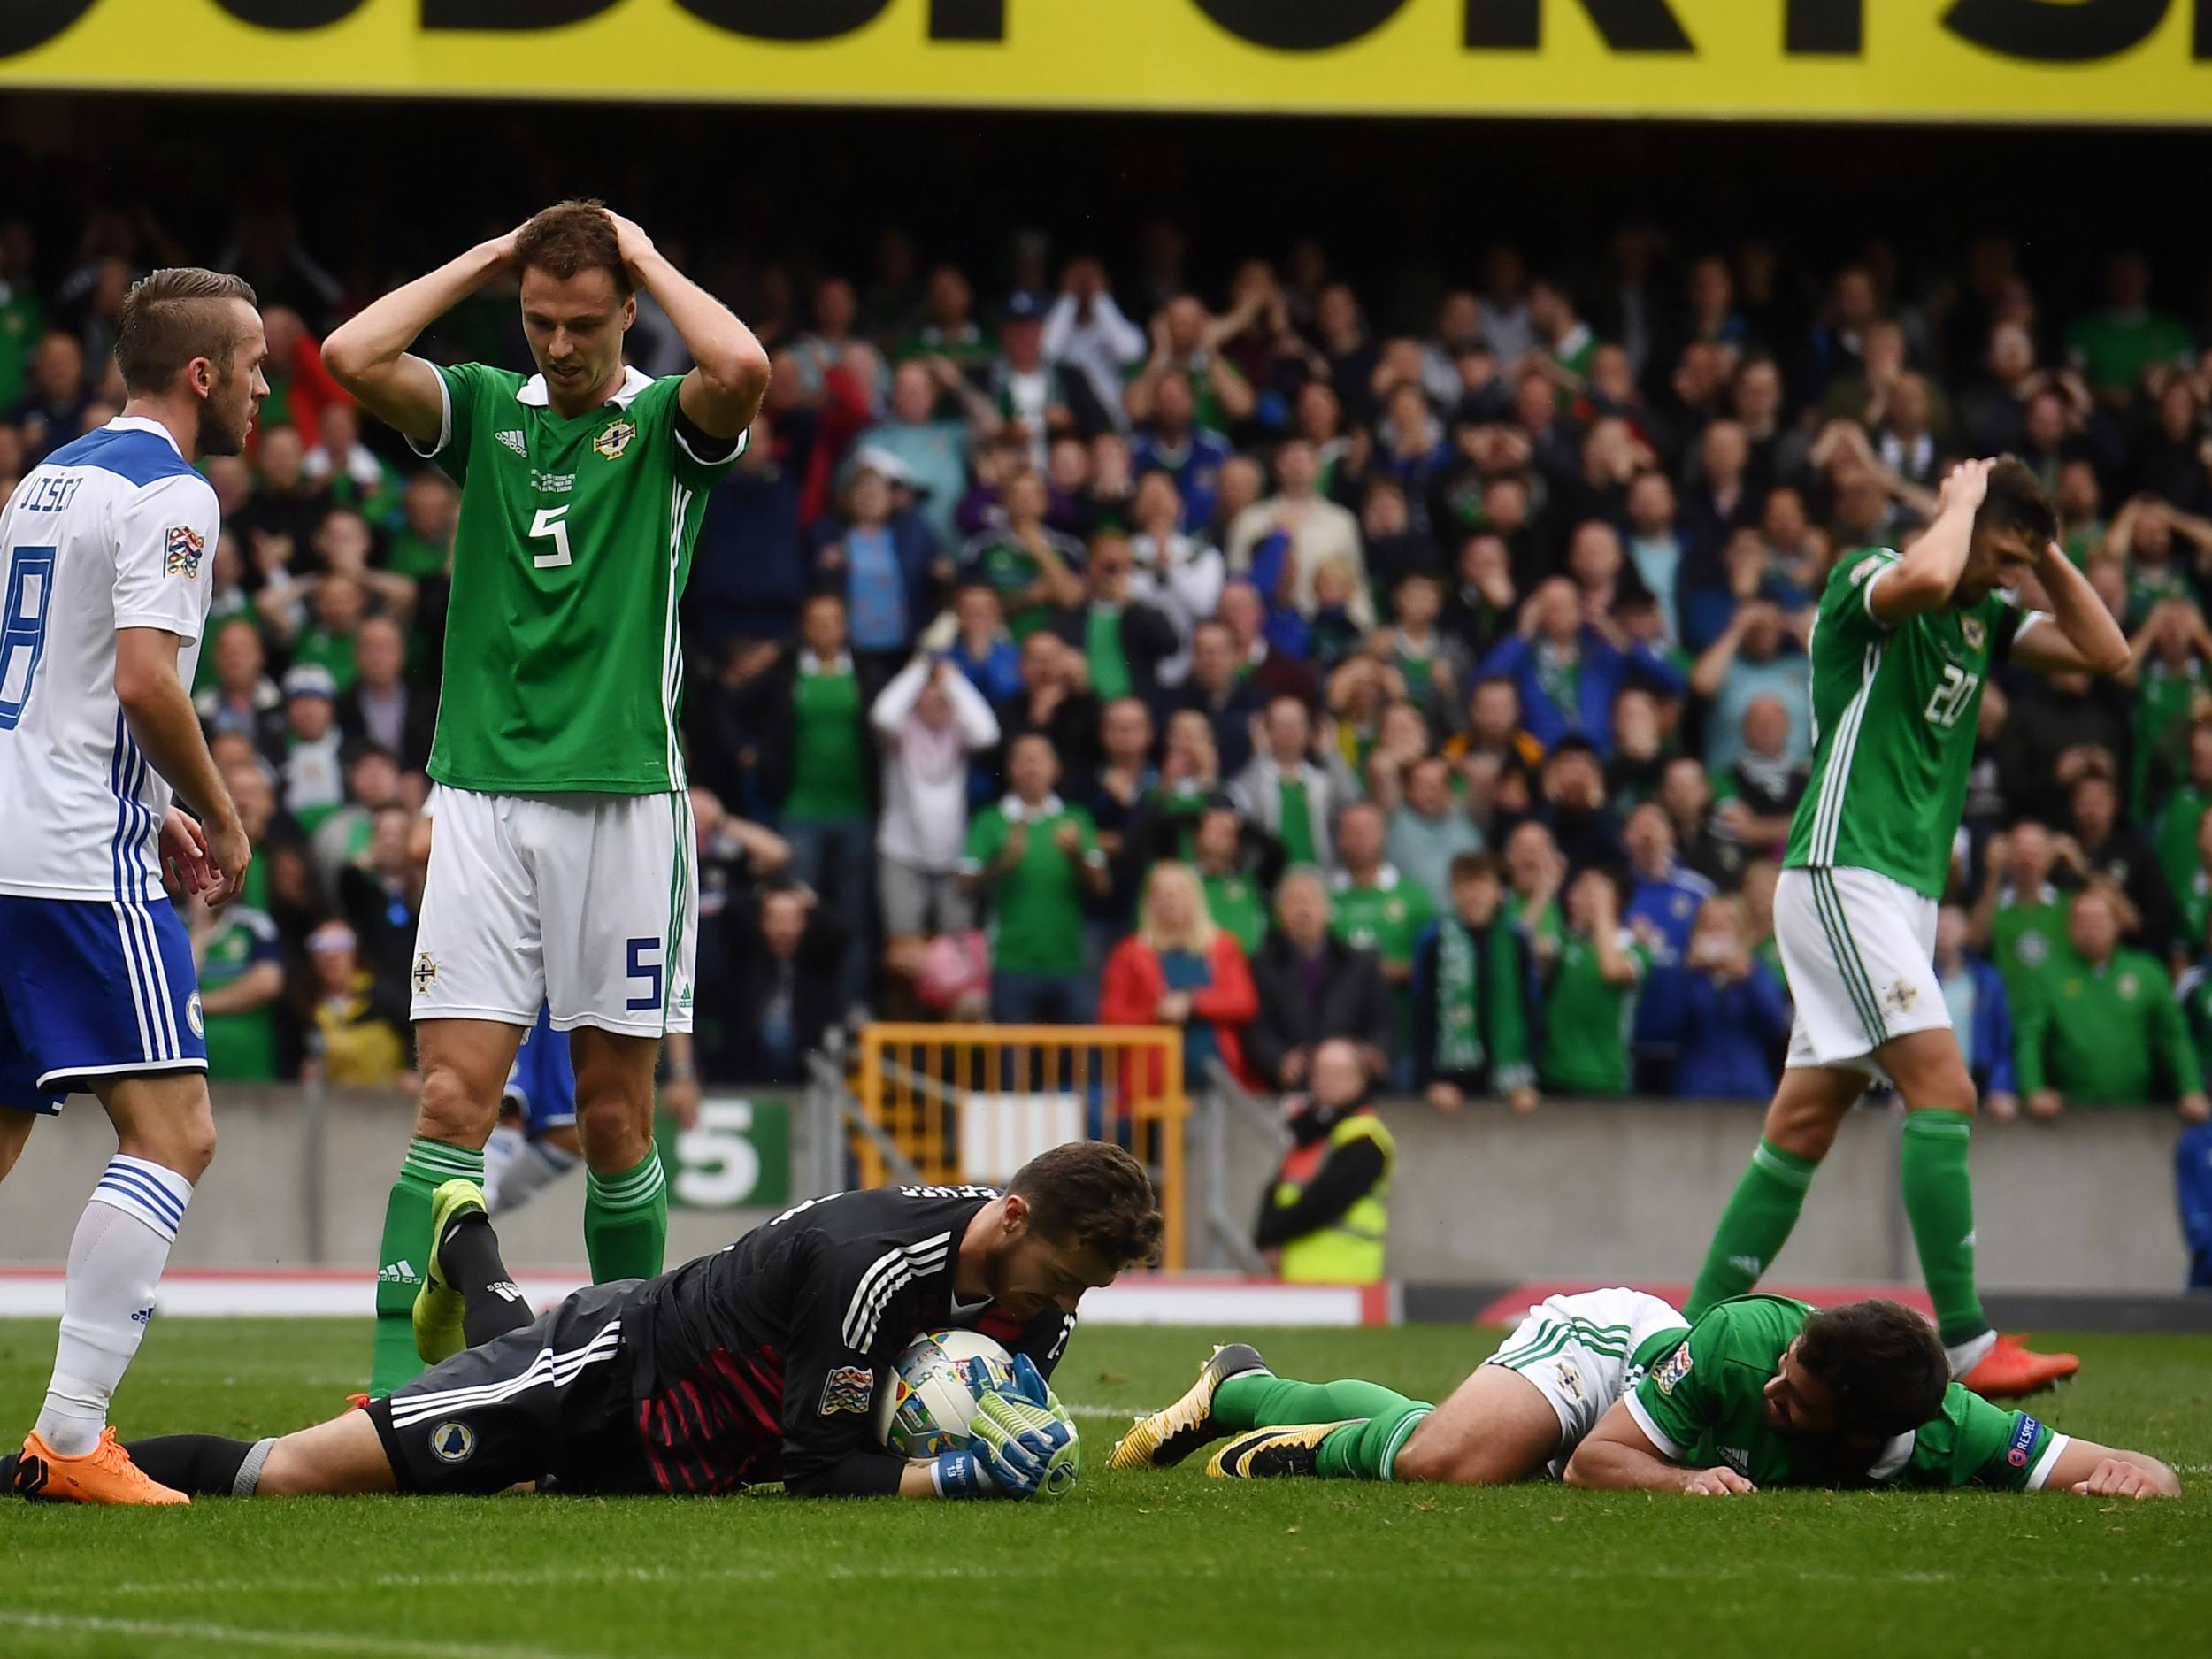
<point x="1203" y="929"/>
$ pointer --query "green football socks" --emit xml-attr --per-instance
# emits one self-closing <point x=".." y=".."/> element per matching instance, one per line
<point x="1940" y="1203"/>
<point x="1754" y="1227"/>
<point x="626" y="1220"/>
<point x="1363" y="1449"/>
<point x="402" y="1259"/>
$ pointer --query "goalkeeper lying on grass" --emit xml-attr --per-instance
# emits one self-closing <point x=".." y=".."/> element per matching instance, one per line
<point x="756" y="1363"/>
<point x="1615" y="1389"/>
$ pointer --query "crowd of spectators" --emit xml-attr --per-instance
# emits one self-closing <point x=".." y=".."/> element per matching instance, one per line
<point x="1234" y="658"/>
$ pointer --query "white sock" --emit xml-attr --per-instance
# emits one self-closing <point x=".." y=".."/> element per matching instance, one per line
<point x="523" y="1171"/>
<point x="115" y="1262"/>
<point x="1970" y="1353"/>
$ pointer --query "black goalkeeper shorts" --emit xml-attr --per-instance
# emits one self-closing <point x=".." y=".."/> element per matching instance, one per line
<point x="549" y="1400"/>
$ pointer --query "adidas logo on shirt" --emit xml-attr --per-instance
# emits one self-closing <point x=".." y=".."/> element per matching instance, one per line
<point x="399" y="1272"/>
<point x="513" y="440"/>
<point x="1750" y="1265"/>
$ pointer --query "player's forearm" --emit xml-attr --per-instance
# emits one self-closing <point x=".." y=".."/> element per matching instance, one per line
<point x="262" y="983"/>
<point x="1926" y="578"/>
<point x="167" y="727"/>
<point x="1611" y="1466"/>
<point x="2081" y="616"/>
<point x="728" y="356"/>
<point x="379" y="334"/>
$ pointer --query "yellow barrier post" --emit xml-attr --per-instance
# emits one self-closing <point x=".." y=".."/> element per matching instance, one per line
<point x="918" y="1084"/>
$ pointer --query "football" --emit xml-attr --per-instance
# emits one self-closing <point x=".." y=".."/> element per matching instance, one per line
<point x="925" y="1406"/>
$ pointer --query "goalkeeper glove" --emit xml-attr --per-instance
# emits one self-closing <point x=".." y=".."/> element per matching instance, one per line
<point x="1024" y="1448"/>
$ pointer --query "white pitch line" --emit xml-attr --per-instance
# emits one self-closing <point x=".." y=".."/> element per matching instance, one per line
<point x="290" y="1640"/>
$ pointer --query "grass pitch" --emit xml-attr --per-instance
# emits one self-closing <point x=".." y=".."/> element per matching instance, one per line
<point x="1168" y="1565"/>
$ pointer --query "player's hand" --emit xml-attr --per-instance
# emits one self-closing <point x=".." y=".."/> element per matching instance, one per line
<point x="229" y="852"/>
<point x="1068" y="839"/>
<point x="2045" y="1103"/>
<point x="1446" y="1097"/>
<point x="2117" y="1478"/>
<point x="1963" y="486"/>
<point x="502" y="249"/>
<point x="2002" y="1106"/>
<point x="1025" y="1451"/>
<point x="2195" y="1108"/>
<point x="186" y="869"/>
<point x="631" y="244"/>
<point x="681" y="1095"/>
<point x="1714" y="1483"/>
<point x="1523" y="1101"/>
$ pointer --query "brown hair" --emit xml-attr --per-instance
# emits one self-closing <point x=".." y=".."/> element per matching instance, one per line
<point x="568" y="237"/>
<point x="2015" y="501"/>
<point x="1883" y="1362"/>
<point x="1094" y="1194"/>
<point x="170" y="317"/>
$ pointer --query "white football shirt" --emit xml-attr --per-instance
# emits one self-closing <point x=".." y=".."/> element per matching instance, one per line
<point x="111" y="530"/>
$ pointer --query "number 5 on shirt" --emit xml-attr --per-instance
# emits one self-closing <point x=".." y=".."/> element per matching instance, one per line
<point x="549" y="523"/>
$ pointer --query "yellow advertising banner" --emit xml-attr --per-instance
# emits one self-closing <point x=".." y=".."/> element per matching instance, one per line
<point x="2115" y="61"/>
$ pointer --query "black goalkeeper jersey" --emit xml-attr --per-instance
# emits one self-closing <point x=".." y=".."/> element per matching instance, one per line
<point x="762" y="1361"/>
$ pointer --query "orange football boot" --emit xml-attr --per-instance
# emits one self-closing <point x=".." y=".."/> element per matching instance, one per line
<point x="2008" y="1371"/>
<point x="103" y="1475"/>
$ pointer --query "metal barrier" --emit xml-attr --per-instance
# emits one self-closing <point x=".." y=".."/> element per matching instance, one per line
<point x="949" y="1103"/>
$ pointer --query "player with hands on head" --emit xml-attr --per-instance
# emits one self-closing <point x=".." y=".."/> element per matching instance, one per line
<point x="106" y="565"/>
<point x="562" y="808"/>
<point x="1903" y="645"/>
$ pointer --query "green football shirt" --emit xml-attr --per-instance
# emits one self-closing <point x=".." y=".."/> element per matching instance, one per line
<point x="2026" y="935"/>
<point x="1585" y="1047"/>
<point x="1704" y="1405"/>
<point x="241" y="1048"/>
<point x="1238" y="907"/>
<point x="564" y="670"/>
<point x="1894" y="715"/>
<point x="1037" y="906"/>
<point x="1385" y="919"/>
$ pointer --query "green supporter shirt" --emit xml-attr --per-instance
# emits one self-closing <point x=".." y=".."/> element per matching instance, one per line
<point x="2024" y="938"/>
<point x="2114" y="349"/>
<point x="22" y="325"/>
<point x="2179" y="860"/>
<point x="1238" y="906"/>
<point x="1009" y="569"/>
<point x="564" y="668"/>
<point x="1895" y="710"/>
<point x="1297" y="823"/>
<point x="1585" y="1047"/>
<point x="1703" y="1403"/>
<point x="1387" y="917"/>
<point x="1037" y="906"/>
<point x="2163" y="697"/>
<point x="2108" y="1036"/>
<point x="2193" y="899"/>
<point x="333" y="651"/>
<point x="829" y="762"/>
<point x="1102" y="648"/>
<point x="240" y="1047"/>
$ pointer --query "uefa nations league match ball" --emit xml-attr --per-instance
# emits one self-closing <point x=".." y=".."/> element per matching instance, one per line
<point x="925" y="1406"/>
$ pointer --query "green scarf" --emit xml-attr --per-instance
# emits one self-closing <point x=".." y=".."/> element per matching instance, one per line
<point x="1458" y="984"/>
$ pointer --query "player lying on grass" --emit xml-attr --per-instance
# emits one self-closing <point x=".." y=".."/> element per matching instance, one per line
<point x="1613" y="1388"/>
<point x="756" y="1363"/>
